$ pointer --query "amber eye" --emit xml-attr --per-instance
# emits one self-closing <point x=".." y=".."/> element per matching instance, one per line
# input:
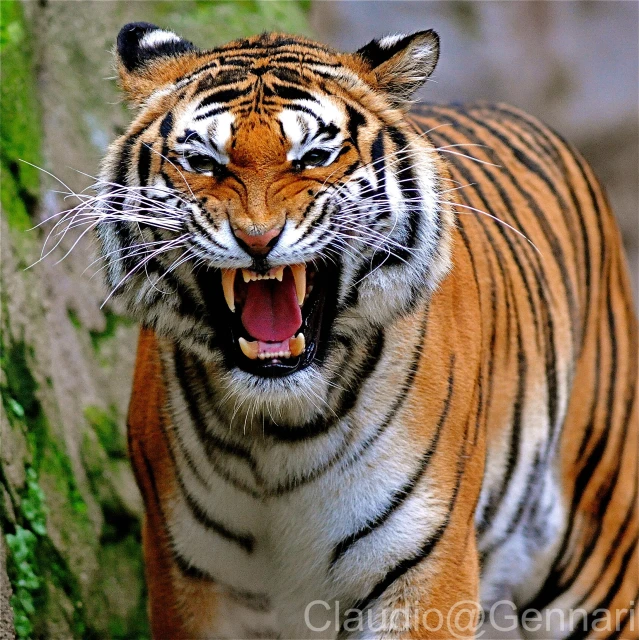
<point x="203" y="164"/>
<point x="313" y="158"/>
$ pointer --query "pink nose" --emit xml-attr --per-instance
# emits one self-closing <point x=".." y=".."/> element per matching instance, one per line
<point x="258" y="244"/>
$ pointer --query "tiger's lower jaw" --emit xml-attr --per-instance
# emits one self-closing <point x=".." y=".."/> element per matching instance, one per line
<point x="277" y="322"/>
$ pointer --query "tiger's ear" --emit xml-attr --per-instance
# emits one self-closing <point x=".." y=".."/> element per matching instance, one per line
<point x="149" y="57"/>
<point x="401" y="63"/>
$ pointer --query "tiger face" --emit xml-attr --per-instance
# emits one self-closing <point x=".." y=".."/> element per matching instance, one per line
<point x="269" y="203"/>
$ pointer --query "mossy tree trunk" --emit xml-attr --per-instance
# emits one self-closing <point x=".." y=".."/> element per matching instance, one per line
<point x="70" y="562"/>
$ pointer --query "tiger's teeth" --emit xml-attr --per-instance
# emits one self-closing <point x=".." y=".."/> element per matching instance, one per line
<point x="277" y="273"/>
<point x="228" y="285"/>
<point x="249" y="349"/>
<point x="297" y="344"/>
<point x="299" y="273"/>
<point x="247" y="275"/>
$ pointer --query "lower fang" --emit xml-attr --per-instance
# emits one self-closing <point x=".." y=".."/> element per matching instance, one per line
<point x="249" y="349"/>
<point x="297" y="344"/>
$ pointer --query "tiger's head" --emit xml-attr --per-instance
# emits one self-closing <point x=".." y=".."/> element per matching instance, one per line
<point x="270" y="206"/>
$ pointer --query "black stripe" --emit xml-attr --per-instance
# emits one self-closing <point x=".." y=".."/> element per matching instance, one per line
<point x="405" y="389"/>
<point x="549" y="147"/>
<point x="556" y="583"/>
<point x="401" y="495"/>
<point x="585" y="624"/>
<point x="166" y="126"/>
<point x="512" y="242"/>
<point x="302" y="109"/>
<point x="378" y="164"/>
<point x="288" y="92"/>
<point x="213" y="111"/>
<point x="630" y="616"/>
<point x="535" y="168"/>
<point x="258" y="600"/>
<point x="427" y="547"/>
<point x="190" y="374"/>
<point x="144" y="163"/>
<point x="614" y="546"/>
<point x="355" y="122"/>
<point x="495" y="500"/>
<point x="542" y="286"/>
<point x="223" y="96"/>
<point x="244" y="541"/>
<point x="183" y="564"/>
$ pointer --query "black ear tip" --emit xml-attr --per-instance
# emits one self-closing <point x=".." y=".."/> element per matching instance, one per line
<point x="135" y="49"/>
<point x="129" y="41"/>
<point x="131" y="33"/>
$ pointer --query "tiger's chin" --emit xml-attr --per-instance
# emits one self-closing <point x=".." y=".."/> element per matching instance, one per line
<point x="275" y="322"/>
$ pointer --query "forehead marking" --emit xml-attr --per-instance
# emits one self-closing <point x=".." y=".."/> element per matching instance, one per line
<point x="213" y="133"/>
<point x="302" y="125"/>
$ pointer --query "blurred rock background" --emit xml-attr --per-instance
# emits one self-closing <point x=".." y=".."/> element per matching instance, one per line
<point x="69" y="511"/>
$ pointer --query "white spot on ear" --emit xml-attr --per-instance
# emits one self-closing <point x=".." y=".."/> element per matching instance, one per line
<point x="388" y="41"/>
<point x="158" y="37"/>
<point x="423" y="52"/>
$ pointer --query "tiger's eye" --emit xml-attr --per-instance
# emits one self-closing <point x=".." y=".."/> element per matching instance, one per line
<point x="316" y="157"/>
<point x="203" y="164"/>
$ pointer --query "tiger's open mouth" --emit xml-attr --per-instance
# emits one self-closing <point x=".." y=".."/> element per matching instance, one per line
<point x="276" y="317"/>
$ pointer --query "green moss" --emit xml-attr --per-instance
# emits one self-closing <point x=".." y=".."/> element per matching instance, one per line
<point x="26" y="582"/>
<point x="20" y="133"/>
<point x="19" y="390"/>
<point x="106" y="427"/>
<point x="119" y="553"/>
<point x="33" y="559"/>
<point x="19" y="396"/>
<point x="229" y="19"/>
<point x="32" y="505"/>
<point x="73" y="319"/>
<point x="113" y="321"/>
<point x="133" y="621"/>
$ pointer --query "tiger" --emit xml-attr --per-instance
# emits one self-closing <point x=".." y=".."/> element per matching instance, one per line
<point x="386" y="376"/>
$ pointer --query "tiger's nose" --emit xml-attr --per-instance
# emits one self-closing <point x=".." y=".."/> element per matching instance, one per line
<point x="258" y="245"/>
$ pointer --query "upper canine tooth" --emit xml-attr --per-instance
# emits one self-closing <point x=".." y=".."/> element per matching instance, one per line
<point x="299" y="273"/>
<point x="297" y="344"/>
<point x="249" y="349"/>
<point x="228" y="285"/>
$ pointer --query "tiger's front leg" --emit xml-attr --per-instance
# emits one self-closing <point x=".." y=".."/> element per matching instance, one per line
<point x="433" y="592"/>
<point x="435" y="599"/>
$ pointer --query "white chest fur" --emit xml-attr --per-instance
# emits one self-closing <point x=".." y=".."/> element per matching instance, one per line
<point x="266" y="518"/>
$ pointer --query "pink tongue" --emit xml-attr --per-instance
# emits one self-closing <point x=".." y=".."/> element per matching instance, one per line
<point x="271" y="312"/>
